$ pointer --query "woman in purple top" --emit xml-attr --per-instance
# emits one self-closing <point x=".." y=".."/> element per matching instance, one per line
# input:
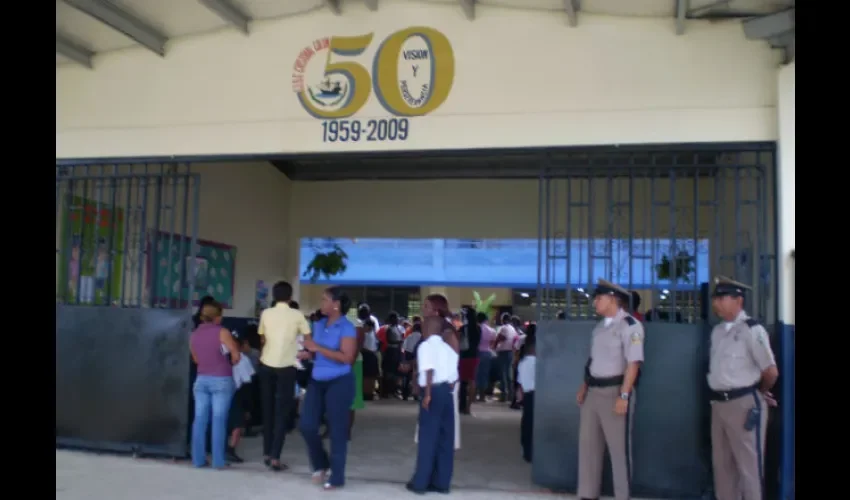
<point x="214" y="386"/>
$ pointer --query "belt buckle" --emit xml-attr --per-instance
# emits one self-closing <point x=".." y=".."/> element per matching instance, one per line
<point x="725" y="396"/>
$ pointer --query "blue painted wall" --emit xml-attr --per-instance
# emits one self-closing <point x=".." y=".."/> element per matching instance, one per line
<point x="504" y="263"/>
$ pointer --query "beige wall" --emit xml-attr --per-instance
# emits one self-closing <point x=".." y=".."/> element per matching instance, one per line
<point x="617" y="80"/>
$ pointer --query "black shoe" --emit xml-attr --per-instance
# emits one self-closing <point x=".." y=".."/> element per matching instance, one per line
<point x="411" y="489"/>
<point x="231" y="456"/>
<point x="267" y="462"/>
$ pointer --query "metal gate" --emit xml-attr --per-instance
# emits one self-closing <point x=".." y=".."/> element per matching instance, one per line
<point x="660" y="223"/>
<point x="126" y="246"/>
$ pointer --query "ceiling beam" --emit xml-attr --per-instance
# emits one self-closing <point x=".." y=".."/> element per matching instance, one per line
<point x="682" y="7"/>
<point x="134" y="28"/>
<point x="229" y="13"/>
<point x="764" y="27"/>
<point x="571" y="8"/>
<point x="335" y="6"/>
<point x="468" y="7"/>
<point x="73" y="51"/>
<point x="787" y="43"/>
<point x="371" y="5"/>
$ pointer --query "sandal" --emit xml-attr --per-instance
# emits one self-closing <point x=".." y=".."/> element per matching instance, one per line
<point x="319" y="476"/>
<point x="328" y="486"/>
<point x="277" y="467"/>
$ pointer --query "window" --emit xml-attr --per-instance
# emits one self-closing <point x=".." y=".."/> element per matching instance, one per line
<point x="382" y="300"/>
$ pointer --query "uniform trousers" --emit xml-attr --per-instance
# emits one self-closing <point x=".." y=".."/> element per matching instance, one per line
<point x="527" y="425"/>
<point x="277" y="386"/>
<point x="435" y="453"/>
<point x="600" y="426"/>
<point x="331" y="399"/>
<point x="737" y="454"/>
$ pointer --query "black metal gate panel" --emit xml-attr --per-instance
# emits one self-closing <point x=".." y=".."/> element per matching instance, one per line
<point x="660" y="223"/>
<point x="122" y="354"/>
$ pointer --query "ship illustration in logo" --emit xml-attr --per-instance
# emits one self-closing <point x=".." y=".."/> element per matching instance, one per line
<point x="328" y="93"/>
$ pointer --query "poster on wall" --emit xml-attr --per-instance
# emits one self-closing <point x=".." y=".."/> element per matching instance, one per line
<point x="171" y="267"/>
<point x="91" y="249"/>
<point x="261" y="298"/>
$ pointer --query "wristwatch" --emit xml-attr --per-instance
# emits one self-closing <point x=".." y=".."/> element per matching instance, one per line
<point x="624" y="395"/>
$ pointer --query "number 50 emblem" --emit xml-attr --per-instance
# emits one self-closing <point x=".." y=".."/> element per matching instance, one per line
<point x="412" y="74"/>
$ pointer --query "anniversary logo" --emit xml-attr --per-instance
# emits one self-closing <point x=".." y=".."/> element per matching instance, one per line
<point x="412" y="75"/>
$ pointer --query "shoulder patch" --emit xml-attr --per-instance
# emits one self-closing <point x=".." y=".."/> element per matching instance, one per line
<point x="630" y="321"/>
<point x="752" y="322"/>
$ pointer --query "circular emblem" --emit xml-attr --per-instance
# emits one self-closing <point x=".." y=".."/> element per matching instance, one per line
<point x="415" y="71"/>
<point x="326" y="90"/>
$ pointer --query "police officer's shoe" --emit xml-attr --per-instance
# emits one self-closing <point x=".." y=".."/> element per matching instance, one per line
<point x="433" y="489"/>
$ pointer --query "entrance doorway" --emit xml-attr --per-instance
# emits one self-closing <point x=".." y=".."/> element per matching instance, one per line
<point x="612" y="213"/>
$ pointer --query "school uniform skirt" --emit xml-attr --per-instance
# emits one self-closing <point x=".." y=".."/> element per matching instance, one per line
<point x="371" y="366"/>
<point x="457" y="420"/>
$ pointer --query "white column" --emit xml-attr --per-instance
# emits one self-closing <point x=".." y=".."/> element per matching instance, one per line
<point x="786" y="191"/>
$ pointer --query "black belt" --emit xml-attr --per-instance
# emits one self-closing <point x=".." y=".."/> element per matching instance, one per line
<point x="731" y="393"/>
<point x="603" y="382"/>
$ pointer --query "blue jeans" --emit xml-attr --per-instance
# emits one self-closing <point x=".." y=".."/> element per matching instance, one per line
<point x="506" y="372"/>
<point x="333" y="399"/>
<point x="482" y="376"/>
<point x="211" y="393"/>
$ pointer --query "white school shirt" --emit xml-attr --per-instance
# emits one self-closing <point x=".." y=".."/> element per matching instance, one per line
<point x="510" y="334"/>
<point x="525" y="372"/>
<point x="435" y="354"/>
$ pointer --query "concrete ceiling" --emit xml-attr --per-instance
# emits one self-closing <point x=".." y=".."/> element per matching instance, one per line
<point x="85" y="28"/>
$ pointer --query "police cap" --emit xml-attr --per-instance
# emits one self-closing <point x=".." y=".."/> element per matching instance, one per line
<point x="724" y="287"/>
<point x="604" y="287"/>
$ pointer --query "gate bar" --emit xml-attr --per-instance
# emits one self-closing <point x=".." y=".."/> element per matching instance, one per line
<point x="540" y="195"/>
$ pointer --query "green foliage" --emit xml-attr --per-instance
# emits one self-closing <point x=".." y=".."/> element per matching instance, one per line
<point x="483" y="305"/>
<point x="331" y="263"/>
<point x="685" y="267"/>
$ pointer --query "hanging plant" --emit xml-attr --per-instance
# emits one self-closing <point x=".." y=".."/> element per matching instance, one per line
<point x="327" y="264"/>
<point x="684" y="264"/>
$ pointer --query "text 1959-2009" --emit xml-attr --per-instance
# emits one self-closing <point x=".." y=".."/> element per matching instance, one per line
<point x="392" y="129"/>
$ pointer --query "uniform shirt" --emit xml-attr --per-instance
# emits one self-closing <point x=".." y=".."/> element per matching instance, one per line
<point x="280" y="326"/>
<point x="740" y="351"/>
<point x="435" y="354"/>
<point x="409" y="344"/>
<point x="525" y="372"/>
<point x="330" y="337"/>
<point x="510" y="335"/>
<point x="487" y="337"/>
<point x="616" y="342"/>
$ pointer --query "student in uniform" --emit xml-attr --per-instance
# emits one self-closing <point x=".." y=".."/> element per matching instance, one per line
<point x="437" y="367"/>
<point x="742" y="371"/>
<point x="607" y="395"/>
<point x="525" y="395"/>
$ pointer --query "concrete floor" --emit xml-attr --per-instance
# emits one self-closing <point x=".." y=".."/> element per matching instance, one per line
<point x="382" y="447"/>
<point x="381" y="458"/>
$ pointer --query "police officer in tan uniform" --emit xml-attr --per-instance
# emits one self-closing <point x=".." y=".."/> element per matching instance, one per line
<point x="741" y="372"/>
<point x="607" y="395"/>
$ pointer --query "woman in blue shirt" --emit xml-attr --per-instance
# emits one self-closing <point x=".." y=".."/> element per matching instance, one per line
<point x="331" y="389"/>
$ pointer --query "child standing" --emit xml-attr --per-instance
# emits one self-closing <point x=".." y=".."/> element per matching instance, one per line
<point x="437" y="366"/>
<point x="525" y="380"/>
